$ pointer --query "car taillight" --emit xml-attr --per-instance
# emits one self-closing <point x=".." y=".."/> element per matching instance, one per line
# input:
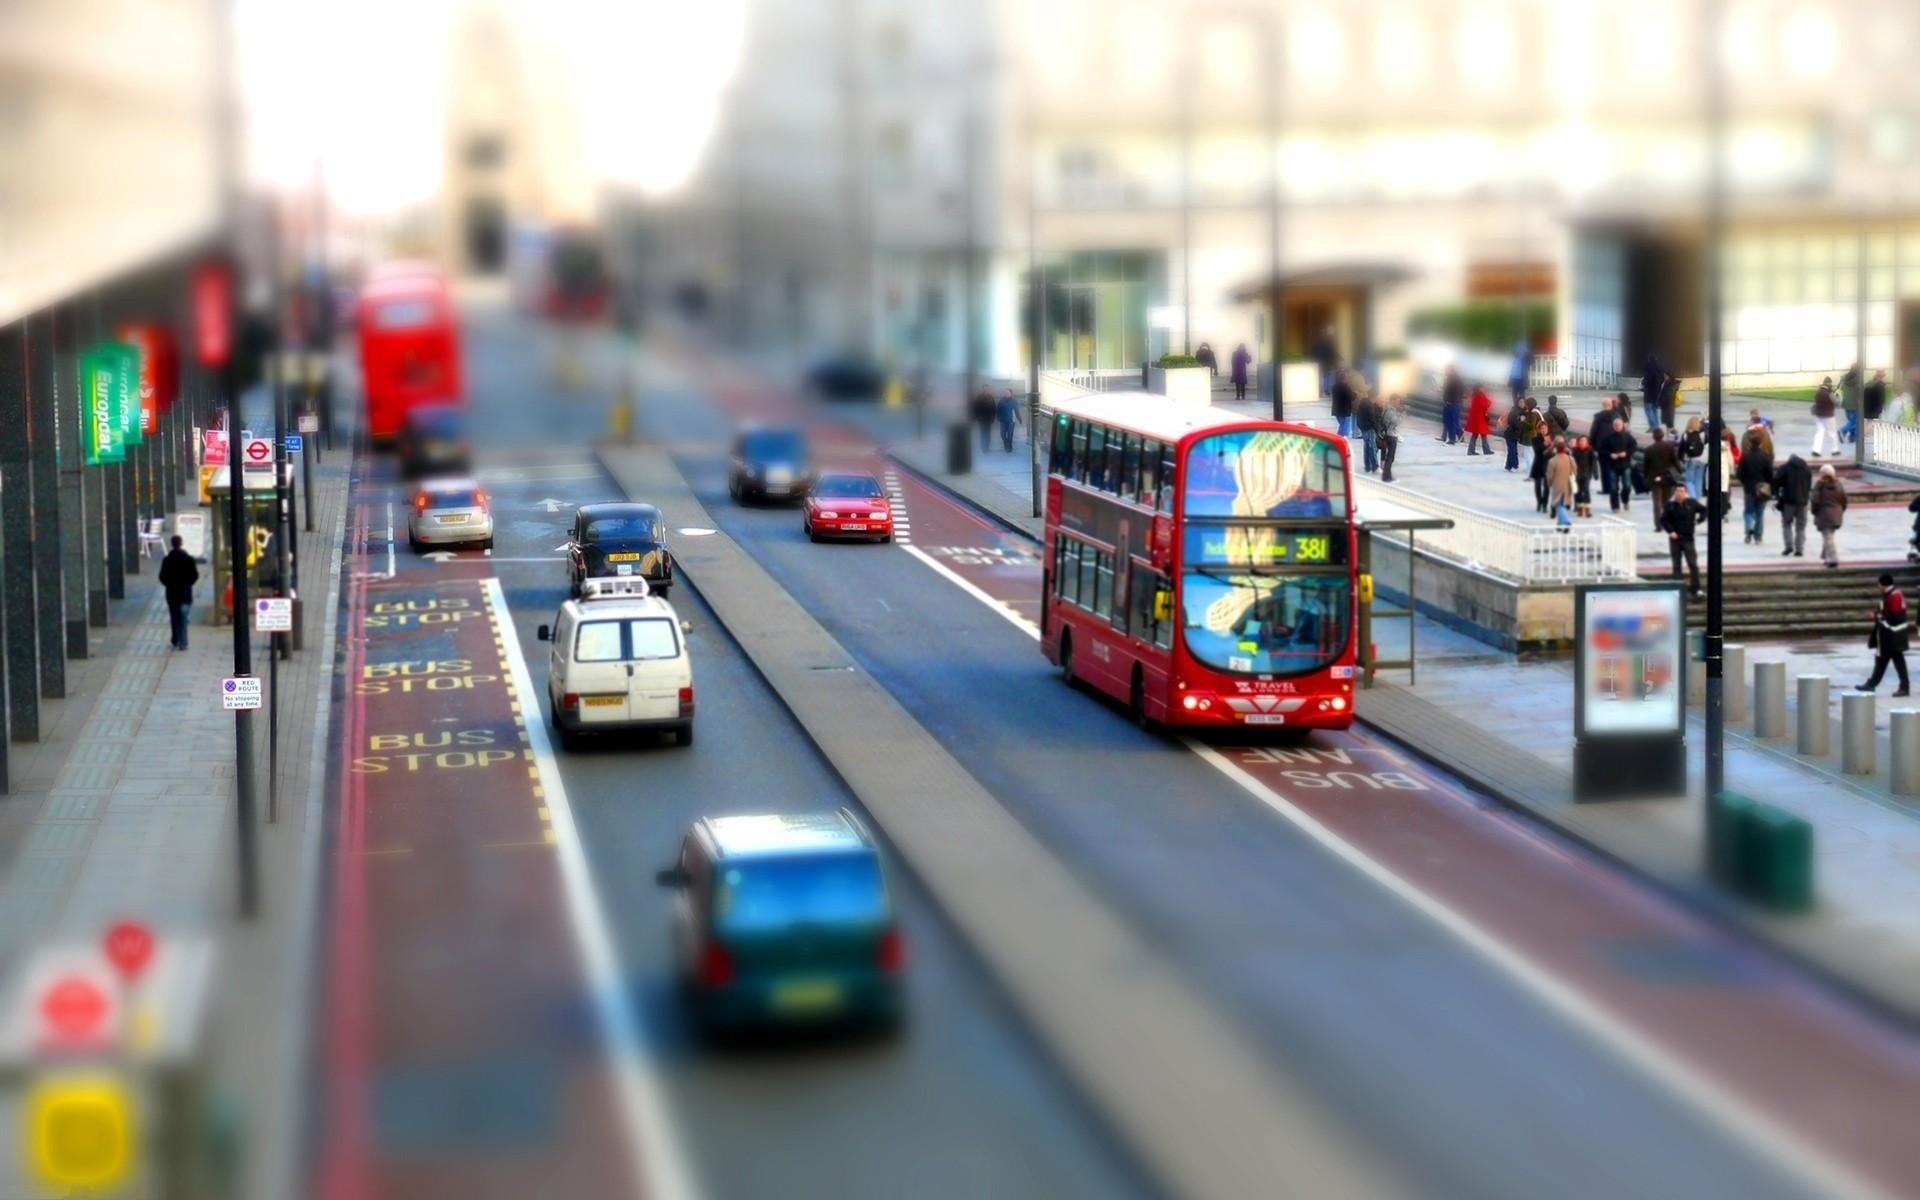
<point x="686" y="701"/>
<point x="892" y="957"/>
<point x="420" y="502"/>
<point x="716" y="966"/>
<point x="570" y="700"/>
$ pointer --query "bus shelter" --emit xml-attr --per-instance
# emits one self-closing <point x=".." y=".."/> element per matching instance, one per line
<point x="1375" y="515"/>
<point x="262" y="555"/>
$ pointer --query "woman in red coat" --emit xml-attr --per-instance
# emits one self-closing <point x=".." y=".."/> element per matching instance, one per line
<point x="1479" y="427"/>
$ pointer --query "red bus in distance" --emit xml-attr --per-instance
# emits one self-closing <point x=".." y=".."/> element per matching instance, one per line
<point x="409" y="344"/>
<point x="1198" y="566"/>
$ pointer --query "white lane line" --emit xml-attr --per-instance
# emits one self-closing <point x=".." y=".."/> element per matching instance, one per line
<point x="659" y="1155"/>
<point x="897" y="501"/>
<point x="1773" y="1141"/>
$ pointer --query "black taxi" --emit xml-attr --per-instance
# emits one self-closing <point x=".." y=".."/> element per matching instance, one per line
<point x="617" y="541"/>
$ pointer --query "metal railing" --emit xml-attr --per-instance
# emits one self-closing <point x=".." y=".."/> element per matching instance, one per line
<point x="1433" y="356"/>
<point x="1892" y="444"/>
<point x="1525" y="553"/>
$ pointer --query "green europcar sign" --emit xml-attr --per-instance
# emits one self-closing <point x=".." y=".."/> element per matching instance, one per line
<point x="109" y="382"/>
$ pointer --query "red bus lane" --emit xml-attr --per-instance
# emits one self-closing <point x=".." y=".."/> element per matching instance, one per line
<point x="1769" y="1054"/>
<point x="457" y="1057"/>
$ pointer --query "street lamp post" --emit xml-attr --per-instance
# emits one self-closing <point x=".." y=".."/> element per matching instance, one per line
<point x="1276" y="298"/>
<point x="1035" y="295"/>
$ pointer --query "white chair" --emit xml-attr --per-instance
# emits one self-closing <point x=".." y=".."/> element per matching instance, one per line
<point x="153" y="537"/>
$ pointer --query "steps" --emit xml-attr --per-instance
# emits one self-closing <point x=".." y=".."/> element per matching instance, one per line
<point x="1805" y="601"/>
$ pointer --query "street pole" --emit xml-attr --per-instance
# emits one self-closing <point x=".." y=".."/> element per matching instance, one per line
<point x="968" y="254"/>
<point x="1186" y="196"/>
<point x="1860" y="344"/>
<point x="1276" y="298"/>
<point x="319" y="395"/>
<point x="1716" y="234"/>
<point x="1034" y="298"/>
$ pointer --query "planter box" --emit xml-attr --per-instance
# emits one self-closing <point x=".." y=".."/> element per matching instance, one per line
<point x="1182" y="385"/>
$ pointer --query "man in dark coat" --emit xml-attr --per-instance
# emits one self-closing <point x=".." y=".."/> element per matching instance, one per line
<point x="1602" y="423"/>
<point x="1653" y="379"/>
<point x="1341" y="394"/>
<point x="1242" y="359"/>
<point x="1616" y="464"/>
<point x="1793" y="491"/>
<point x="178" y="574"/>
<point x="1678" y="518"/>
<point x="1889" y="638"/>
<point x="1662" y="467"/>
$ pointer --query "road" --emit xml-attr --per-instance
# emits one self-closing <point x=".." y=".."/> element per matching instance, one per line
<point x="1497" y="1013"/>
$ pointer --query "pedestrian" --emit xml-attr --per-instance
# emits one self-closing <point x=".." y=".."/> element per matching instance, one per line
<point x="1823" y="433"/>
<point x="1850" y="401"/>
<point x="1888" y="641"/>
<point x="1756" y="482"/>
<point x="983" y="409"/>
<point x="1479" y="422"/>
<point x="1829" y="510"/>
<point x="1242" y="359"/>
<point x="1653" y="378"/>
<point x="1693" y="449"/>
<point x="1561" y="473"/>
<point x="1873" y="401"/>
<point x="1453" y="398"/>
<point x="1585" y="466"/>
<point x="1537" y="469"/>
<point x="1681" y="514"/>
<point x="1008" y="411"/>
<point x="1669" y="400"/>
<point x="1661" y="465"/>
<point x="1559" y="423"/>
<point x="1517" y="372"/>
<point x="1386" y="432"/>
<point x="178" y="574"/>
<point x="1326" y="355"/>
<point x="1722" y="500"/>
<point x="1364" y="412"/>
<point x="1792" y="493"/>
<point x="1760" y="425"/>
<point x="1340" y="395"/>
<point x="1616" y="465"/>
<point x="1205" y="357"/>
<point x="1511" y="428"/>
<point x="1623" y="409"/>
<point x="1602" y="423"/>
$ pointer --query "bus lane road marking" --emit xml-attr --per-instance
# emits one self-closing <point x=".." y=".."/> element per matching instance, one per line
<point x="1771" y="1140"/>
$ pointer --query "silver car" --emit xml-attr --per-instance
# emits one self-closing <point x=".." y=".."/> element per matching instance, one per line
<point x="450" y="512"/>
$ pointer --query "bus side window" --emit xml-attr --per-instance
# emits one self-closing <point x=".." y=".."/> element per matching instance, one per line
<point x="1146" y="468"/>
<point x="1166" y="481"/>
<point x="1130" y="466"/>
<point x="1103" y="584"/>
<point x="1078" y="467"/>
<point x="1067" y="573"/>
<point x="1062" y="445"/>
<point x="1097" y="456"/>
<point x="1114" y="442"/>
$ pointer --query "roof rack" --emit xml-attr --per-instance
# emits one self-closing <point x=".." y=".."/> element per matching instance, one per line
<point x="631" y="588"/>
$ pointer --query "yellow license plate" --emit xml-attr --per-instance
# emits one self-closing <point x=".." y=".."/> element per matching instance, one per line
<point x="456" y="519"/>
<point x="623" y="557"/>
<point x="604" y="701"/>
<point x="813" y="995"/>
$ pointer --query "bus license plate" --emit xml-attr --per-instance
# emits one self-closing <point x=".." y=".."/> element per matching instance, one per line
<point x="855" y="526"/>
<point x="1266" y="719"/>
<point x="604" y="701"/>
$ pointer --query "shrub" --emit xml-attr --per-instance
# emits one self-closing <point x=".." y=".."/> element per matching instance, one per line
<point x="1178" y="360"/>
<point x="1487" y="324"/>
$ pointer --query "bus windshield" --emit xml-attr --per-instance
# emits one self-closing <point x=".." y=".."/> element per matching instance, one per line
<point x="1260" y="623"/>
<point x="1264" y="473"/>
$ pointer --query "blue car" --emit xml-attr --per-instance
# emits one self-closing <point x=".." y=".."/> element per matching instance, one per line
<point x="785" y="920"/>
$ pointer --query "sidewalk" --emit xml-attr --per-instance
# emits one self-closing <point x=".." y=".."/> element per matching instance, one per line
<point x="1507" y="728"/>
<point x="125" y="809"/>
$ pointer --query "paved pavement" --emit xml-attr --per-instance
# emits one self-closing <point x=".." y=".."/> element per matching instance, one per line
<point x="125" y="810"/>
<point x="1866" y="927"/>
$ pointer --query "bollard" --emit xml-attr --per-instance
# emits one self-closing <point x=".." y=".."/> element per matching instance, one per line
<point x="1856" y="733"/>
<point x="1696" y="668"/>
<point x="1815" y="716"/>
<point x="1770" y="699"/>
<point x="1733" y="685"/>
<point x="1904" y="751"/>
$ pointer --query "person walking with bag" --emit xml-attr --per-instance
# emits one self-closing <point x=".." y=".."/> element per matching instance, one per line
<point x="1824" y="433"/>
<point x="1693" y="450"/>
<point x="1242" y="359"/>
<point x="178" y="574"/>
<point x="1561" y="472"/>
<point x="1585" y="465"/>
<point x="1829" y="510"/>
<point x="1662" y="467"/>
<point x="1888" y="640"/>
<point x="1792" y="493"/>
<point x="1537" y="470"/>
<point x="1756" y="483"/>
<point x="1364" y="415"/>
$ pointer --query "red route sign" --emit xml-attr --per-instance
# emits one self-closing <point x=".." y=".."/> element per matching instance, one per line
<point x="129" y="947"/>
<point x="73" y="1008"/>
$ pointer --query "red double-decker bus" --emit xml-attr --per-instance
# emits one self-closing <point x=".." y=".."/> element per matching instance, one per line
<point x="1200" y="566"/>
<point x="409" y="344"/>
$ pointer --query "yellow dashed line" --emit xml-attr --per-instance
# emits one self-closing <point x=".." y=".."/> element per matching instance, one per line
<point x="544" y="814"/>
<point x="550" y="836"/>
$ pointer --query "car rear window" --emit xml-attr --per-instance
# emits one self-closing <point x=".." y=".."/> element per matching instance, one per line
<point x="778" y="445"/>
<point x="614" y="529"/>
<point x="454" y="498"/>
<point x="772" y="893"/>
<point x="652" y="637"/>
<point x="848" y="487"/>
<point x="597" y="641"/>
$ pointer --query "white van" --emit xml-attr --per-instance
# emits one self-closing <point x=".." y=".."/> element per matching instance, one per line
<point x="619" y="662"/>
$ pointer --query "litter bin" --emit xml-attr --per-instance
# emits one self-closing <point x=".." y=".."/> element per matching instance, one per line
<point x="959" y="448"/>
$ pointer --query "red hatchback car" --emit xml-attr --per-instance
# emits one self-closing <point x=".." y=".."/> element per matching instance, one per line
<point x="844" y="505"/>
